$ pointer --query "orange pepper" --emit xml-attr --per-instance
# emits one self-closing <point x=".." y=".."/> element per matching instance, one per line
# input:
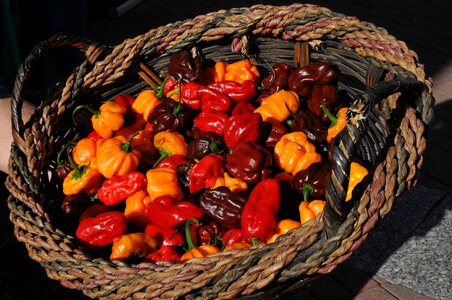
<point x="240" y="71"/>
<point x="294" y="152"/>
<point x="234" y="184"/>
<point x="163" y="182"/>
<point x="238" y="245"/>
<point x="279" y="106"/>
<point x="145" y="103"/>
<point x="283" y="227"/>
<point x="109" y="118"/>
<point x="357" y="174"/>
<point x="136" y="210"/>
<point x="116" y="156"/>
<point x="85" y="179"/>
<point x="337" y="122"/>
<point x="220" y="71"/>
<point x="127" y="245"/>
<point x="171" y="142"/>
<point x="193" y="251"/>
<point x="84" y="151"/>
<point x="310" y="210"/>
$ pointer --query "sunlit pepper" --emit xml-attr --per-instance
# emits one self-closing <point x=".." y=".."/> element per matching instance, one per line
<point x="241" y="70"/>
<point x="283" y="227"/>
<point x="337" y="123"/>
<point x="132" y="244"/>
<point x="279" y="106"/>
<point x="145" y="103"/>
<point x="163" y="182"/>
<point x="116" y="156"/>
<point x="170" y="143"/>
<point x="84" y="151"/>
<point x="193" y="251"/>
<point x="357" y="174"/>
<point x="294" y="153"/>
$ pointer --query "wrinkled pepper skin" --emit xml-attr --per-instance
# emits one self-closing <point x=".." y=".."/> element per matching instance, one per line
<point x="166" y="237"/>
<point x="338" y="123"/>
<point x="163" y="182"/>
<point x="211" y="121"/>
<point x="165" y="253"/>
<point x="184" y="66"/>
<point x="261" y="209"/>
<point x="102" y="229"/>
<point x="145" y="103"/>
<point x="116" y="156"/>
<point x="199" y="97"/>
<point x="242" y="107"/>
<point x="249" y="162"/>
<point x="243" y="92"/>
<point x="82" y="180"/>
<point x="273" y="131"/>
<point x="279" y="106"/>
<point x="84" y="152"/>
<point x="223" y="205"/>
<point x="131" y="244"/>
<point x="245" y="127"/>
<point x="118" y="188"/>
<point x="168" y="212"/>
<point x="170" y="115"/>
<point x="209" y="233"/>
<point x="241" y="71"/>
<point x="108" y="119"/>
<point x="294" y="153"/>
<point x="205" y="173"/>
<point x="234" y="184"/>
<point x="173" y="162"/>
<point x="304" y="78"/>
<point x="276" y="80"/>
<point x="316" y="175"/>
<point x="313" y="126"/>
<point x="170" y="142"/>
<point x="193" y="251"/>
<point x="206" y="143"/>
<point x="232" y="236"/>
<point x="322" y="94"/>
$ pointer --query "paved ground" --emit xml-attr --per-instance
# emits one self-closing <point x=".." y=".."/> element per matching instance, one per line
<point x="409" y="255"/>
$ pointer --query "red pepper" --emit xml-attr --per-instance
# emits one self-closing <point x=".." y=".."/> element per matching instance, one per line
<point x="103" y="229"/>
<point x="119" y="187"/>
<point x="166" y="237"/>
<point x="172" y="162"/>
<point x="125" y="100"/>
<point x="261" y="209"/>
<point x="94" y="136"/>
<point x="200" y="97"/>
<point x="245" y="127"/>
<point x="232" y="236"/>
<point x="209" y="233"/>
<point x="165" y="253"/>
<point x="240" y="92"/>
<point x="204" y="174"/>
<point x="167" y="212"/>
<point x="242" y="107"/>
<point x="211" y="121"/>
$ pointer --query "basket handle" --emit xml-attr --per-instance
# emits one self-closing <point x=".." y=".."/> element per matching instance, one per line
<point x="90" y="50"/>
<point x="345" y="145"/>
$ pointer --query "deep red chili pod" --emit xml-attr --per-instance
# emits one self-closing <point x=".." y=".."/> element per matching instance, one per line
<point x="117" y="188"/>
<point x="101" y="230"/>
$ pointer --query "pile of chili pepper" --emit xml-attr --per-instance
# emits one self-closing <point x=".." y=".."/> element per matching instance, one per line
<point x="219" y="157"/>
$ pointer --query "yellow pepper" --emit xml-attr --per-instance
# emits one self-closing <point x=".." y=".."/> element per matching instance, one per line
<point x="294" y="152"/>
<point x="116" y="156"/>
<point x="84" y="151"/>
<point x="145" y="103"/>
<point x="127" y="245"/>
<point x="310" y="210"/>
<point x="283" y="227"/>
<point x="279" y="106"/>
<point x="234" y="184"/>
<point x="337" y="122"/>
<point x="171" y="142"/>
<point x="240" y="71"/>
<point x="357" y="174"/>
<point x="163" y="182"/>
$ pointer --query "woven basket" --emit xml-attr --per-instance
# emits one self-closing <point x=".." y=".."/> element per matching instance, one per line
<point x="387" y="129"/>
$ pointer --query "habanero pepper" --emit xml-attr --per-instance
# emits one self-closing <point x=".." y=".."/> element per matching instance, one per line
<point x="205" y="172"/>
<point x="242" y="107"/>
<point x="211" y="121"/>
<point x="316" y="176"/>
<point x="279" y="106"/>
<point x="84" y="151"/>
<point x="101" y="230"/>
<point x="309" y="210"/>
<point x="166" y="237"/>
<point x="199" y="97"/>
<point x="283" y="227"/>
<point x="245" y="127"/>
<point x="304" y="78"/>
<point x="232" y="236"/>
<point x="193" y="251"/>
<point x="260" y="211"/>
<point x="185" y="66"/>
<point x="234" y="184"/>
<point x="357" y="174"/>
<point x="338" y="122"/>
<point x="239" y="92"/>
<point x="275" y="81"/>
<point x="128" y="245"/>
<point x="322" y="95"/>
<point x="163" y="182"/>
<point x="205" y="143"/>
<point x="164" y="253"/>
<point x="172" y="162"/>
<point x="241" y="71"/>
<point x="170" y="115"/>
<point x="170" y="143"/>
<point x="119" y="187"/>
<point x="145" y="103"/>
<point x="168" y="212"/>
<point x="136" y="210"/>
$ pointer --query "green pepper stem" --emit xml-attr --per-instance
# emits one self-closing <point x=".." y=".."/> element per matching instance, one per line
<point x="307" y="190"/>
<point x="60" y="161"/>
<point x="190" y="243"/>
<point x="330" y="116"/>
<point x="163" y="154"/>
<point x="214" y="147"/>
<point x="78" y="171"/>
<point x="89" y="108"/>
<point x="254" y="241"/>
<point x="126" y="146"/>
<point x="160" y="88"/>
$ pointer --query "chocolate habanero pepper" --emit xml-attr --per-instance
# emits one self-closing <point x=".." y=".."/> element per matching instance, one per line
<point x="304" y="78"/>
<point x="119" y="187"/>
<point x="117" y="156"/>
<point x="239" y="92"/>
<point x="205" y="173"/>
<point x="168" y="212"/>
<point x="273" y="131"/>
<point x="185" y="66"/>
<point x="199" y="97"/>
<point x="322" y="95"/>
<point x="279" y="106"/>
<point x="163" y="182"/>
<point x="316" y="176"/>
<point x="170" y="115"/>
<point x="132" y="244"/>
<point x="193" y="251"/>
<point x="249" y="162"/>
<point x="276" y="80"/>
<point x="259" y="214"/>
<point x="245" y="127"/>
<point x="313" y="126"/>
<point x="205" y="143"/>
<point x="211" y="121"/>
<point x="102" y="229"/>
<point x="294" y="152"/>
